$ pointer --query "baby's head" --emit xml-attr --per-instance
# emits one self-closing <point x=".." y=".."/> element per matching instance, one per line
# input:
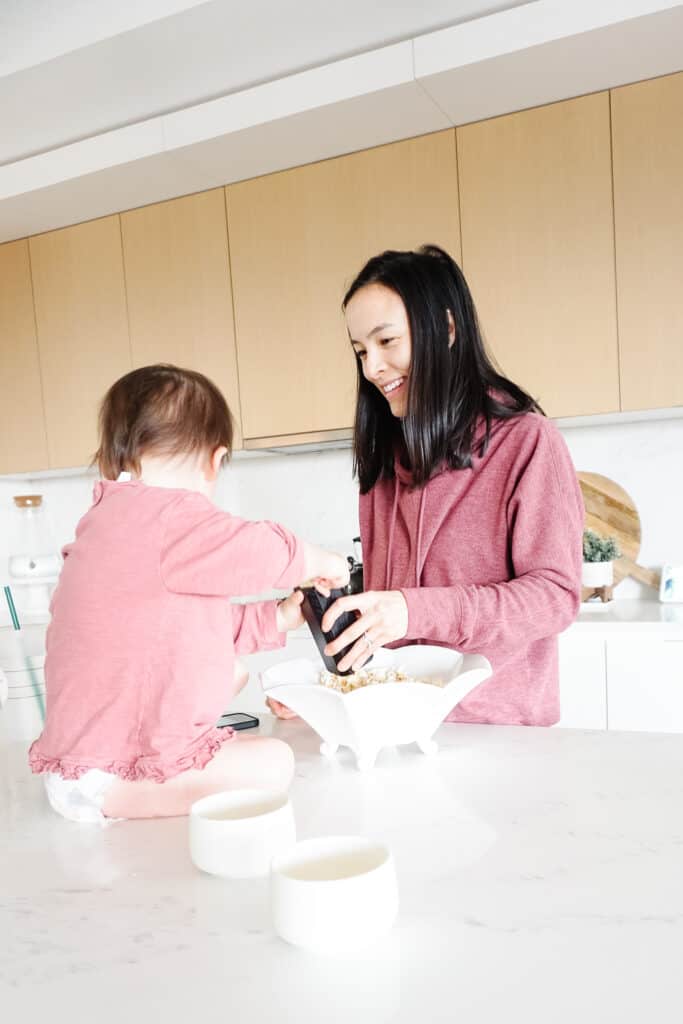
<point x="164" y="417"/>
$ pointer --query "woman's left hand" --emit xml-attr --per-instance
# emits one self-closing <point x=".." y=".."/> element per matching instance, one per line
<point x="383" y="618"/>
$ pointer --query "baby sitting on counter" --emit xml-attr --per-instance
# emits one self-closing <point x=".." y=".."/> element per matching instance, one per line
<point x="141" y="652"/>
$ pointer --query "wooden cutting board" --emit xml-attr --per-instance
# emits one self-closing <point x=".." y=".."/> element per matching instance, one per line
<point x="611" y="512"/>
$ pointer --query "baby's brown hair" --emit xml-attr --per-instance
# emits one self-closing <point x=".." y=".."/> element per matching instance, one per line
<point x="160" y="410"/>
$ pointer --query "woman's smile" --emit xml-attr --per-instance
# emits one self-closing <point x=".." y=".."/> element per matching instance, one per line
<point x="390" y="390"/>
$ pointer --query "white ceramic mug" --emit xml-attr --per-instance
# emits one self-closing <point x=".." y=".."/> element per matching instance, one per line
<point x="334" y="895"/>
<point x="236" y="834"/>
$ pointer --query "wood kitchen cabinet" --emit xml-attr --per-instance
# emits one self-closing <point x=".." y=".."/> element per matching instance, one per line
<point x="538" y="249"/>
<point x="648" y="214"/>
<point x="297" y="239"/>
<point x="178" y="286"/>
<point x="80" y="306"/>
<point x="23" y="444"/>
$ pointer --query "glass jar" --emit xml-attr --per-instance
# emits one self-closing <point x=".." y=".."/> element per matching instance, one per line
<point x="34" y="560"/>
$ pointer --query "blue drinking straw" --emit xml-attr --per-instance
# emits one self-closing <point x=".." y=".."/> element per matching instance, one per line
<point x="17" y="626"/>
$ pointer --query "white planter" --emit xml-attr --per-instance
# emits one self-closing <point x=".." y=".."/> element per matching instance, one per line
<point x="597" y="574"/>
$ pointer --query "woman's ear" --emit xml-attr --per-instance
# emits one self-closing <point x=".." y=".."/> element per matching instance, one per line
<point x="451" y="328"/>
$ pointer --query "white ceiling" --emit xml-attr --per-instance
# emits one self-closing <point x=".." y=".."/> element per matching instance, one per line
<point x="109" y="106"/>
<point x="71" y="69"/>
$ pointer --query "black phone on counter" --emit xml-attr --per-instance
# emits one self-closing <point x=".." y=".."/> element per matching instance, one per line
<point x="237" y="720"/>
<point x="313" y="607"/>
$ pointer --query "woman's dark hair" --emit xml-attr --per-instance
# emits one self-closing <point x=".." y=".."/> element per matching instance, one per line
<point x="452" y="390"/>
<point x="160" y="410"/>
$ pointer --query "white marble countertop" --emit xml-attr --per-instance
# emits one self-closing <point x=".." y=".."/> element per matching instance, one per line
<point x="539" y="874"/>
<point x="625" y="616"/>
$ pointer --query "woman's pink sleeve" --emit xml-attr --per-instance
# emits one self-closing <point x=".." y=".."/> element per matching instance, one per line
<point x="545" y="516"/>
<point x="210" y="552"/>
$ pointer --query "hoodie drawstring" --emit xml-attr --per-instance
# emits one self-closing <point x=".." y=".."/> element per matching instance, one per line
<point x="418" y="540"/>
<point x="392" y="526"/>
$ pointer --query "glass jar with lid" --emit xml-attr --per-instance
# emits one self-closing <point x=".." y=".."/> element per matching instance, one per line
<point x="34" y="560"/>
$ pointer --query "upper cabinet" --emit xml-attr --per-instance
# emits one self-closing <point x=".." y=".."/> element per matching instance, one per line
<point x="80" y="306"/>
<point x="538" y="250"/>
<point x="178" y="285"/>
<point x="297" y="239"/>
<point x="647" y="121"/>
<point x="23" y="444"/>
<point x="571" y="223"/>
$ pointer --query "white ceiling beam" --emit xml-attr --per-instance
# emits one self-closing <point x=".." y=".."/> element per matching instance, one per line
<point x="534" y="54"/>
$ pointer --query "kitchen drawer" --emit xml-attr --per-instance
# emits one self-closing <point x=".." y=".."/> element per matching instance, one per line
<point x="645" y="683"/>
<point x="583" y="690"/>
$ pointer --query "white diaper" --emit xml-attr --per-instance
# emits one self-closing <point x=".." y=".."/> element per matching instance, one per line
<point x="80" y="799"/>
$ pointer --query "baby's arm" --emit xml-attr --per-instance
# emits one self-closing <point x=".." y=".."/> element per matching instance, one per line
<point x="261" y="625"/>
<point x="207" y="551"/>
<point x="255" y="627"/>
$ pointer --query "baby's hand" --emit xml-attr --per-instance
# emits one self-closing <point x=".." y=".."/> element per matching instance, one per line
<point x="288" y="615"/>
<point x="325" y="569"/>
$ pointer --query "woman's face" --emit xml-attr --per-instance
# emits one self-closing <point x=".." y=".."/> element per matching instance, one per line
<point x="379" y="330"/>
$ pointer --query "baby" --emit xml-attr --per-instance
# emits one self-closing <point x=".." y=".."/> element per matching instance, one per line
<point x="142" y="645"/>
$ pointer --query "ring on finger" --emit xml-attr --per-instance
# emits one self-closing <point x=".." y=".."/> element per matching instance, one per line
<point x="367" y="641"/>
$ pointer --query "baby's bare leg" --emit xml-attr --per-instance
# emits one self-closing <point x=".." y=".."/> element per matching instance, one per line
<point x="241" y="675"/>
<point x="257" y="762"/>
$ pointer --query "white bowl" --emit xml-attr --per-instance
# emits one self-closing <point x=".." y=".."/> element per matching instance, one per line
<point x="334" y="895"/>
<point x="237" y="834"/>
<point x="384" y="714"/>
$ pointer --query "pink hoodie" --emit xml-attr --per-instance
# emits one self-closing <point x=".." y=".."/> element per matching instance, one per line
<point x="489" y="561"/>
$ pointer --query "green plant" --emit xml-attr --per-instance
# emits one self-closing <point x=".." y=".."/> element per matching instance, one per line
<point x="599" y="549"/>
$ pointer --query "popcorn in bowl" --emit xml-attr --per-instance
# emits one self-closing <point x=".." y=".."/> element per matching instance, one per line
<point x="385" y="704"/>
<point x="370" y="677"/>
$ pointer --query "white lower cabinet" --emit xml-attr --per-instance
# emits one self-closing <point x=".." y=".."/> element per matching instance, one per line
<point x="645" y="683"/>
<point x="583" y="689"/>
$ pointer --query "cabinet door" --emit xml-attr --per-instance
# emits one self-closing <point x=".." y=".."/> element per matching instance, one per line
<point x="82" y="327"/>
<point x="23" y="445"/>
<point x="297" y="239"/>
<point x="178" y="286"/>
<point x="645" y="683"/>
<point x="648" y="213"/>
<point x="538" y="249"/>
<point x="583" y="685"/>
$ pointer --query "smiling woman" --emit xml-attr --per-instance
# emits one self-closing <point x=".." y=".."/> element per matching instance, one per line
<point x="470" y="511"/>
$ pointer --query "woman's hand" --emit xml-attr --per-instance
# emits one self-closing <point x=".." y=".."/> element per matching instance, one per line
<point x="288" y="615"/>
<point x="383" y="618"/>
